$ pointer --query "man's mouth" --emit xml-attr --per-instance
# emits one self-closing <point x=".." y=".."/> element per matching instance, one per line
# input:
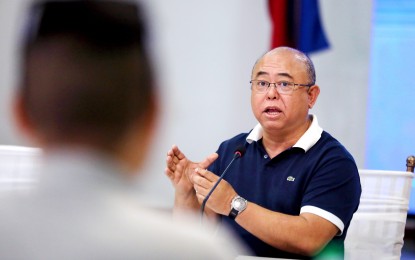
<point x="272" y="110"/>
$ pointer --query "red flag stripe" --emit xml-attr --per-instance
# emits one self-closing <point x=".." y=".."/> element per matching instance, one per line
<point x="278" y="14"/>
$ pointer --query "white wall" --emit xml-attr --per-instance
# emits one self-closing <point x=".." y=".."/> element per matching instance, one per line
<point x="10" y="20"/>
<point x="204" y="51"/>
<point x="343" y="72"/>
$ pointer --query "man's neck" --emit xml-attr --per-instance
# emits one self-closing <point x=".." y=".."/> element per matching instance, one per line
<point x="276" y="144"/>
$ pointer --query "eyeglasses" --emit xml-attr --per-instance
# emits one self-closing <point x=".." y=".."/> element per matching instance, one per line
<point x="283" y="87"/>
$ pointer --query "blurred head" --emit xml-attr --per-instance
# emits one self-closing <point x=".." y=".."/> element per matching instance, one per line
<point x="86" y="77"/>
<point x="278" y="110"/>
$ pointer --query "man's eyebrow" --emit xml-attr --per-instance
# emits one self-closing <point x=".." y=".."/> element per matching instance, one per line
<point x="283" y="74"/>
<point x="260" y="73"/>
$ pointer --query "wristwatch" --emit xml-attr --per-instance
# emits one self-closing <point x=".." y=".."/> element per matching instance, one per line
<point x="238" y="205"/>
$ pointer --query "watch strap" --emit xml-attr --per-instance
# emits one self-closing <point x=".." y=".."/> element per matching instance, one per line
<point x="238" y="205"/>
<point x="233" y="213"/>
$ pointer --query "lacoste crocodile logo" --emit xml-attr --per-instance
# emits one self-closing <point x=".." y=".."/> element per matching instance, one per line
<point x="290" y="178"/>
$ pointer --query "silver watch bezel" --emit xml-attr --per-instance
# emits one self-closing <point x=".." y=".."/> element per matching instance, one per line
<point x="238" y="203"/>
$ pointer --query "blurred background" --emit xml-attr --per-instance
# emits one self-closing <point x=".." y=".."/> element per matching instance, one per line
<point x="204" y="52"/>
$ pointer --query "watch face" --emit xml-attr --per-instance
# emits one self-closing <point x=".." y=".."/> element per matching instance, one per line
<point x="239" y="204"/>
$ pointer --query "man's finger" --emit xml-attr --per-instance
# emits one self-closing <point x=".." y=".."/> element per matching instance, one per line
<point x="209" y="160"/>
<point x="206" y="174"/>
<point x="177" y="152"/>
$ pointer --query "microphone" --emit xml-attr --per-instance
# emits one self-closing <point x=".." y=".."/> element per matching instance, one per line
<point x="239" y="152"/>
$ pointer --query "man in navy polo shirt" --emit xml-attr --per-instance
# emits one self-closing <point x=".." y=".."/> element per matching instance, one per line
<point x="294" y="192"/>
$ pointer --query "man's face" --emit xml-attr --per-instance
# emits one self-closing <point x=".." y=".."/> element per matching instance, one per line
<point x="274" y="111"/>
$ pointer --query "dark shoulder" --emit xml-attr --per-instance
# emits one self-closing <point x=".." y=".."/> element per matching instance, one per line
<point x="330" y="146"/>
<point x="232" y="143"/>
<point x="226" y="151"/>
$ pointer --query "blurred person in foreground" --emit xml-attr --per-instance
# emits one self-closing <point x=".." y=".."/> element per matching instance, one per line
<point x="87" y="97"/>
<point x="294" y="192"/>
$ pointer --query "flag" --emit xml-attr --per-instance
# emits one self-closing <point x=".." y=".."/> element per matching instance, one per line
<point x="296" y="24"/>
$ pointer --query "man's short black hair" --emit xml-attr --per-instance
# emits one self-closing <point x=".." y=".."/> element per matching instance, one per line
<point x="85" y="69"/>
<point x="104" y="23"/>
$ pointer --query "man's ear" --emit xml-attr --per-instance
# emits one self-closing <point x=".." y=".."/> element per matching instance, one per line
<point x="135" y="146"/>
<point x="313" y="93"/>
<point x="148" y="125"/>
<point x="22" y="119"/>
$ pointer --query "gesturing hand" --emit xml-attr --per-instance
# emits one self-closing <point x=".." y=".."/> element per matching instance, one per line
<point x="180" y="169"/>
<point x="219" y="201"/>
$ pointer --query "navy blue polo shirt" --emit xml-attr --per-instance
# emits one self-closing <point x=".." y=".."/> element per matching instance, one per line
<point x="317" y="175"/>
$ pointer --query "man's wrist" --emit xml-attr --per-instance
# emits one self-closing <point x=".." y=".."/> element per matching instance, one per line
<point x="186" y="200"/>
<point x="238" y="205"/>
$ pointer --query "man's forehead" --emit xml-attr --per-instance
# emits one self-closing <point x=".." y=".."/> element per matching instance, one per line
<point x="281" y="55"/>
<point x="274" y="59"/>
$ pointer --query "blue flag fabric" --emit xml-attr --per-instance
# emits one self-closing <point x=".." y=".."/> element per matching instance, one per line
<point x="302" y="28"/>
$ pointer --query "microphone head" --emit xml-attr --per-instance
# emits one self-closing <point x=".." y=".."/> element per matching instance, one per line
<point x="240" y="151"/>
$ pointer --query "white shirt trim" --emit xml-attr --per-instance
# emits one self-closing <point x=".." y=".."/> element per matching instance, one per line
<point x="307" y="140"/>
<point x="326" y="215"/>
<point x="311" y="136"/>
<point x="255" y="134"/>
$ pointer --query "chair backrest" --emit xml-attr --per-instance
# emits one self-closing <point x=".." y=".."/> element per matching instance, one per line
<point x="378" y="226"/>
<point x="18" y="167"/>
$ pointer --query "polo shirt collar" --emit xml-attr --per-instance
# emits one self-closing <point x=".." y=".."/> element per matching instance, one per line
<point x="307" y="140"/>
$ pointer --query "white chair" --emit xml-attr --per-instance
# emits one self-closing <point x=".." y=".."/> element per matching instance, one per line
<point x="18" y="167"/>
<point x="378" y="226"/>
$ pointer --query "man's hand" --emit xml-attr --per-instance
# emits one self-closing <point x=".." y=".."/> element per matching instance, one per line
<point x="180" y="170"/>
<point x="220" y="200"/>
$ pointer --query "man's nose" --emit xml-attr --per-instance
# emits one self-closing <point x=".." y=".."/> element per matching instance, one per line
<point x="272" y="92"/>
